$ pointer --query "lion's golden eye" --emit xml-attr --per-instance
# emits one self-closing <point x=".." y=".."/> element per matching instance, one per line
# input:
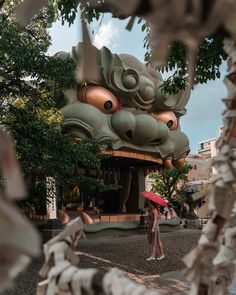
<point x="99" y="97"/>
<point x="167" y="117"/>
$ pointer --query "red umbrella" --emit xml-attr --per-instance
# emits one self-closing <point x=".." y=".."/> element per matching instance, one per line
<point x="154" y="197"/>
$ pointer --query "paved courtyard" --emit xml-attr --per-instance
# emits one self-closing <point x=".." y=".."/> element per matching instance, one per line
<point x="128" y="254"/>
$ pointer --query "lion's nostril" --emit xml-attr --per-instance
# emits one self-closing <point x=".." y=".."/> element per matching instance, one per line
<point x="129" y="134"/>
<point x="156" y="141"/>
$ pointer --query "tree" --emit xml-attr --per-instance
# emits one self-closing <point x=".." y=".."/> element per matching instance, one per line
<point x="23" y="57"/>
<point x="171" y="184"/>
<point x="210" y="53"/>
<point x="44" y="150"/>
<point x="29" y="79"/>
<point x="32" y="42"/>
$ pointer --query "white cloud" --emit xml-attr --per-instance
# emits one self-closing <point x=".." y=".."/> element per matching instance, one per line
<point x="106" y="35"/>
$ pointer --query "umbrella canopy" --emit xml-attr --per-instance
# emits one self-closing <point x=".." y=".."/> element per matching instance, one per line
<point x="154" y="197"/>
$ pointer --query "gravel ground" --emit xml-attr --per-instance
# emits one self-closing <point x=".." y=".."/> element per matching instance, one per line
<point x="128" y="254"/>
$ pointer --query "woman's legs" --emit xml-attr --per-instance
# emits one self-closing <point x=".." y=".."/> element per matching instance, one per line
<point x="154" y="250"/>
<point x="160" y="247"/>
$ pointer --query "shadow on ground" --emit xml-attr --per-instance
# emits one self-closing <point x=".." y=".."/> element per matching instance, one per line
<point x="127" y="254"/>
<point x="130" y="253"/>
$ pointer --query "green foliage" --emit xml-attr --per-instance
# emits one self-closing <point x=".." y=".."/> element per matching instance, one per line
<point x="210" y="56"/>
<point x="44" y="151"/>
<point x="143" y="28"/>
<point x="23" y="55"/>
<point x="171" y="184"/>
<point x="69" y="10"/>
<point x="174" y="83"/>
<point x="28" y="80"/>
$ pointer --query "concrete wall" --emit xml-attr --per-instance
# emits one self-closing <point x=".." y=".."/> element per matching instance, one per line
<point x="199" y="168"/>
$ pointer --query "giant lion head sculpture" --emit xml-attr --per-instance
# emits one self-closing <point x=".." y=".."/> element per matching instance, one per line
<point x="127" y="107"/>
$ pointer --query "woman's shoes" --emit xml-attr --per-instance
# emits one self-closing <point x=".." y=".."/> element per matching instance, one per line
<point x="161" y="257"/>
<point x="153" y="258"/>
<point x="150" y="258"/>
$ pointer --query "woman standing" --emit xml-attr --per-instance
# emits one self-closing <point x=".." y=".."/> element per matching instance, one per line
<point x="154" y="238"/>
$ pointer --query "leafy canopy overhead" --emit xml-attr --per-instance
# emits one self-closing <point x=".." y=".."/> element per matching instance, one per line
<point x="210" y="54"/>
<point x="23" y="56"/>
<point x="33" y="42"/>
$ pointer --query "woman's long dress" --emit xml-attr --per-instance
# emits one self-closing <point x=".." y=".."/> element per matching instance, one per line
<point x="153" y="237"/>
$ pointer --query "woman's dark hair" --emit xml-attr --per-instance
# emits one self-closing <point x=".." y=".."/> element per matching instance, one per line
<point x="155" y="205"/>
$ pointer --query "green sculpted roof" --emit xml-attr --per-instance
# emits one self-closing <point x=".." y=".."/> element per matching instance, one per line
<point x="127" y="107"/>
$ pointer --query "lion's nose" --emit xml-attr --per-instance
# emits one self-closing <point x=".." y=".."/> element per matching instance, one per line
<point x="140" y="129"/>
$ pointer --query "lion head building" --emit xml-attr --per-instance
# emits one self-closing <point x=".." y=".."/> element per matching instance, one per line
<point x="128" y="108"/>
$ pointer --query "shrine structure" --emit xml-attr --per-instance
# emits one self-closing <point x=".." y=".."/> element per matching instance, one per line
<point x="129" y="109"/>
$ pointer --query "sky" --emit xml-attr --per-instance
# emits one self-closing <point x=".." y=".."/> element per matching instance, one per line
<point x="205" y="106"/>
